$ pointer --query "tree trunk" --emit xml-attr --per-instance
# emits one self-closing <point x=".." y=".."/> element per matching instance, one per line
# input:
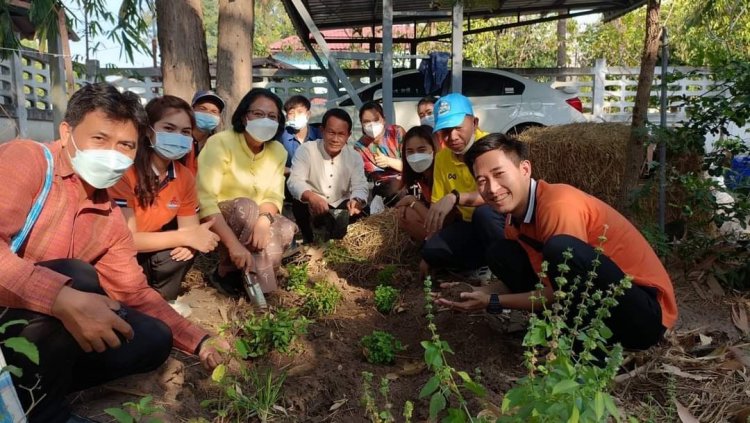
<point x="182" y="41"/>
<point x="234" y="63"/>
<point x="635" y="151"/>
<point x="562" y="51"/>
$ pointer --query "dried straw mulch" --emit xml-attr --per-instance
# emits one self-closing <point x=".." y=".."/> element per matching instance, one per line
<point x="589" y="156"/>
<point x="378" y="240"/>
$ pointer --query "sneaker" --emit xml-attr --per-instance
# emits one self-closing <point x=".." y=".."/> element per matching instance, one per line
<point x="229" y="285"/>
<point x="483" y="274"/>
<point x="183" y="309"/>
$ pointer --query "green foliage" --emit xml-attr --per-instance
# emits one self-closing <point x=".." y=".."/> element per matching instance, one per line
<point x="385" y="298"/>
<point x="251" y="392"/>
<point x="136" y="412"/>
<point x="298" y="277"/>
<point x="386" y="275"/>
<point x="567" y="383"/>
<point x="273" y="330"/>
<point x="20" y="345"/>
<point x="446" y="383"/>
<point x="381" y="347"/>
<point x="322" y="299"/>
<point x="369" y="401"/>
<point x="335" y="253"/>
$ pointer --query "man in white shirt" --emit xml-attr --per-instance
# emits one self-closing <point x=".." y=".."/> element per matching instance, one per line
<point x="327" y="180"/>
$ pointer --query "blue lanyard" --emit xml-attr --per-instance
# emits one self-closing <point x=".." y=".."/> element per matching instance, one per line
<point x="17" y="240"/>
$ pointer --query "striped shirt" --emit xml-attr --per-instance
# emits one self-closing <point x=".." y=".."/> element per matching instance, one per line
<point x="88" y="229"/>
<point x="389" y="146"/>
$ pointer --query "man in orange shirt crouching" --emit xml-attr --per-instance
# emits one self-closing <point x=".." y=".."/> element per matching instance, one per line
<point x="544" y="221"/>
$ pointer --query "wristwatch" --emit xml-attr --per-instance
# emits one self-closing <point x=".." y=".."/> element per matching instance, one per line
<point x="269" y="216"/>
<point x="494" y="307"/>
<point x="458" y="196"/>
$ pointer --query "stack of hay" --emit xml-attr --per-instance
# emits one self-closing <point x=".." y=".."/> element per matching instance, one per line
<point x="378" y="240"/>
<point x="589" y="156"/>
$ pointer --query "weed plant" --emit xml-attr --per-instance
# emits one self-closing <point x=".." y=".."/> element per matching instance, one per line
<point x="386" y="298"/>
<point x="273" y="330"/>
<point x="250" y="393"/>
<point x="370" y="402"/>
<point x="321" y="300"/>
<point x="381" y="347"/>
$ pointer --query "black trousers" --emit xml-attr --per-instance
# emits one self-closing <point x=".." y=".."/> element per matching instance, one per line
<point x="306" y="222"/>
<point x="164" y="273"/>
<point x="63" y="366"/>
<point x="462" y="245"/>
<point x="635" y="321"/>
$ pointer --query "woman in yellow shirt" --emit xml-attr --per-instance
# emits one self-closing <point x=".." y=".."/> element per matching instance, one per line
<point x="241" y="186"/>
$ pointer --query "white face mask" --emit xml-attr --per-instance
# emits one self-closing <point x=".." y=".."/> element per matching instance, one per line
<point x="262" y="130"/>
<point x="468" y="144"/>
<point x="373" y="129"/>
<point x="299" y="122"/>
<point x="171" y="145"/>
<point x="428" y="120"/>
<point x="419" y="162"/>
<point x="99" y="168"/>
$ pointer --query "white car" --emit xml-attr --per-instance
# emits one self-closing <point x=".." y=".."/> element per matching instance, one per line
<point x="504" y="102"/>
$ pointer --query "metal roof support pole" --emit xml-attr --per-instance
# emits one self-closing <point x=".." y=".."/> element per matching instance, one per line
<point x="457" y="44"/>
<point x="332" y="65"/>
<point x="388" y="61"/>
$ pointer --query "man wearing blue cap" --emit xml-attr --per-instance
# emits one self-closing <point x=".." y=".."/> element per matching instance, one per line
<point x="207" y="107"/>
<point x="459" y="244"/>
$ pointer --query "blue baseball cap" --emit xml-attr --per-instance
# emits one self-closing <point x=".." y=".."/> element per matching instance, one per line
<point x="450" y="111"/>
<point x="208" y="95"/>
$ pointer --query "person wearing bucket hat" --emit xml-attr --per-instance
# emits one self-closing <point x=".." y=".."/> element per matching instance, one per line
<point x="207" y="107"/>
<point x="460" y="244"/>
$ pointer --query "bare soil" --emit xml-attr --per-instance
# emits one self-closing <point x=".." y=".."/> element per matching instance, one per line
<point x="327" y="364"/>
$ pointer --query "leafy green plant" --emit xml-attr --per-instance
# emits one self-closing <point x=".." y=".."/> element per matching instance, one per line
<point x="136" y="412"/>
<point x="385" y="298"/>
<point x="386" y="275"/>
<point x="369" y="401"/>
<point x="567" y="379"/>
<point x="20" y="345"/>
<point x="272" y="330"/>
<point x="381" y="347"/>
<point x="298" y="277"/>
<point x="322" y="299"/>
<point x="446" y="382"/>
<point x="251" y="392"/>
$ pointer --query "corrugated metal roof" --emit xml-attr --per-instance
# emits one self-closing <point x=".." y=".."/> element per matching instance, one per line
<point x="330" y="14"/>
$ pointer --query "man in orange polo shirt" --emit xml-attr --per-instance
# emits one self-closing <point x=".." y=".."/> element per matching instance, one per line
<point x="544" y="221"/>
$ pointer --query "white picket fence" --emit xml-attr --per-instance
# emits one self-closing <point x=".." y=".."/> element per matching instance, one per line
<point x="607" y="92"/>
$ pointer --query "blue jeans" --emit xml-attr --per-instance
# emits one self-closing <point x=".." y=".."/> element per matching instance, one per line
<point x="462" y="245"/>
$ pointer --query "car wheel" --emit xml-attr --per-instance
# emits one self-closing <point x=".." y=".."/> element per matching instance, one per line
<point x="521" y="128"/>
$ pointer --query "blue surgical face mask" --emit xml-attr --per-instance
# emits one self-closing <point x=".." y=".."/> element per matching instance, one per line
<point x="206" y="122"/>
<point x="171" y="145"/>
<point x="428" y="120"/>
<point x="99" y="168"/>
<point x="299" y="122"/>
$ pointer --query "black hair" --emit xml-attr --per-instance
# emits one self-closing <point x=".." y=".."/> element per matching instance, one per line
<point x="297" y="100"/>
<point x="427" y="100"/>
<point x="408" y="176"/>
<point x="104" y="97"/>
<point x="238" y="117"/>
<point x="339" y="114"/>
<point x="371" y="105"/>
<point x="516" y="150"/>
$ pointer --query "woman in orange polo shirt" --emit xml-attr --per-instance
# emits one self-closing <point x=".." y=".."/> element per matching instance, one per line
<point x="158" y="198"/>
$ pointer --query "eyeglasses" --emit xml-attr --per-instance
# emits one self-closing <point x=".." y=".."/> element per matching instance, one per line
<point x="260" y="114"/>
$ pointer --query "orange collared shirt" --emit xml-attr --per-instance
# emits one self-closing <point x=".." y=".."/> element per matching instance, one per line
<point x="559" y="209"/>
<point x="176" y="197"/>
<point x="90" y="230"/>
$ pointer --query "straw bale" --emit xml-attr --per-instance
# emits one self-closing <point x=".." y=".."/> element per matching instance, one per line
<point x="589" y="156"/>
<point x="377" y="239"/>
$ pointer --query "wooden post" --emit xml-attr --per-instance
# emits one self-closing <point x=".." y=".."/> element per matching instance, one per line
<point x="62" y="29"/>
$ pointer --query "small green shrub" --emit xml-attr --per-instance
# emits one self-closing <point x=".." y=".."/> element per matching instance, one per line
<point x="369" y="400"/>
<point x="251" y="392"/>
<point x="381" y="347"/>
<point x="322" y="299"/>
<point x="335" y="253"/>
<point x="136" y="412"/>
<point x="272" y="330"/>
<point x="298" y="277"/>
<point x="386" y="275"/>
<point x="385" y="298"/>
